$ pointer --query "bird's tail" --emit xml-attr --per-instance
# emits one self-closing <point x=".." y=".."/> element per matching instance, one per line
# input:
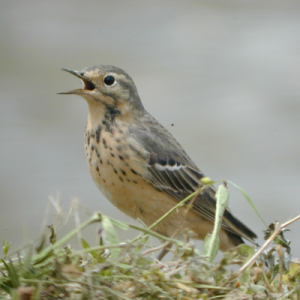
<point x="237" y="230"/>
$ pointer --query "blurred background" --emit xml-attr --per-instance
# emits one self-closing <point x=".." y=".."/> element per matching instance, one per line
<point x="221" y="76"/>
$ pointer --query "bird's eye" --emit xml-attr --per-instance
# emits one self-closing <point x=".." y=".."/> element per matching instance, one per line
<point x="109" y="80"/>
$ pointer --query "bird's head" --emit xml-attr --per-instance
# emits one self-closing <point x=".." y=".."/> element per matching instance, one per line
<point x="107" y="87"/>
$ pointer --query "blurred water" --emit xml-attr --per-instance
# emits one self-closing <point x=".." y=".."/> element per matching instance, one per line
<point x="226" y="74"/>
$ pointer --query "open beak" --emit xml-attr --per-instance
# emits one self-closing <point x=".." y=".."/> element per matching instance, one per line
<point x="88" y="85"/>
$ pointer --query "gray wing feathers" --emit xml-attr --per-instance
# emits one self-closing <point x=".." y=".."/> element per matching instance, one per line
<point x="171" y="171"/>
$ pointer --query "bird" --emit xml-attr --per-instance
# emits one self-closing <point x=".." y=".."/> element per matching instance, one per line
<point x="140" y="167"/>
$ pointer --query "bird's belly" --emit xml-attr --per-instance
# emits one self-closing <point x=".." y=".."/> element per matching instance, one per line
<point x="132" y="194"/>
<point x="129" y="193"/>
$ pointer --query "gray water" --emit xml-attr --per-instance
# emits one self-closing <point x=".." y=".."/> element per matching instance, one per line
<point x="225" y="73"/>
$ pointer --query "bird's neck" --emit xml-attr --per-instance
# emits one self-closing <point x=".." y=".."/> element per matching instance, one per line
<point x="103" y="114"/>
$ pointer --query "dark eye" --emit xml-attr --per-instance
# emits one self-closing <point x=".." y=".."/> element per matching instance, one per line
<point x="109" y="80"/>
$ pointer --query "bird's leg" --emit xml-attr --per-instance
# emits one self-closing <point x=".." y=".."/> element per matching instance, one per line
<point x="164" y="252"/>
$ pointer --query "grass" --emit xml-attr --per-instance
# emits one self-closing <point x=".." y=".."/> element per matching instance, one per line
<point x="51" y="269"/>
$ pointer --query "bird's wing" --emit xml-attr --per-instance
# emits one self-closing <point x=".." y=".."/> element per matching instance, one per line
<point x="171" y="171"/>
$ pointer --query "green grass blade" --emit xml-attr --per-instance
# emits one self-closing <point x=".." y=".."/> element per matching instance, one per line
<point x="111" y="235"/>
<point x="249" y="200"/>
<point x="212" y="241"/>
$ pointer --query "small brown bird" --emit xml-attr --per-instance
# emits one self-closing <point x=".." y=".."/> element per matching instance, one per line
<point x="138" y="165"/>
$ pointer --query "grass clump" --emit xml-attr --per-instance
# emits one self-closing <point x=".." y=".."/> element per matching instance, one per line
<point x="51" y="269"/>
